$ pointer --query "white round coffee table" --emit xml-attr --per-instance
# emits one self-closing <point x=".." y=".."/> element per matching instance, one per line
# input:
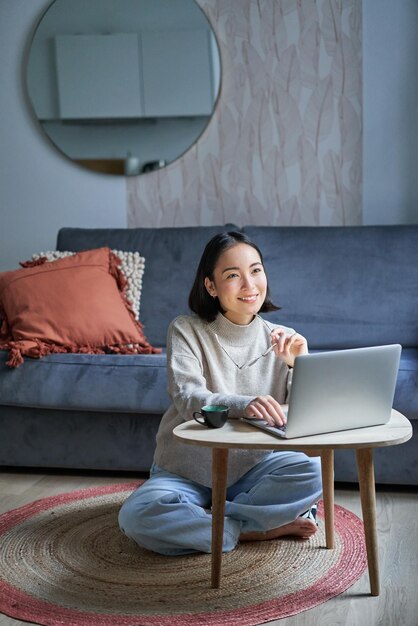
<point x="238" y="434"/>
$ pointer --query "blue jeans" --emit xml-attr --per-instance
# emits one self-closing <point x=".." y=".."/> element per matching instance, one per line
<point x="171" y="515"/>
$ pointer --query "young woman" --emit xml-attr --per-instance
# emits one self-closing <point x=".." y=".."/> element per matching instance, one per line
<point x="215" y="357"/>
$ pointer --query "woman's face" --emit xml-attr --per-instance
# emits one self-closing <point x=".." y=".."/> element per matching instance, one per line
<point x="239" y="282"/>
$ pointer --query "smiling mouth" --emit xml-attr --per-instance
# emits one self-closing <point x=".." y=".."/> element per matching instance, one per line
<point x="249" y="298"/>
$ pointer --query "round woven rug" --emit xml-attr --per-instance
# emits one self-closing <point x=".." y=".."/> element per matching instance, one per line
<point x="64" y="561"/>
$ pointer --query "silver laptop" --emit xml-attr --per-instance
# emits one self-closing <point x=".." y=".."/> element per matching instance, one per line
<point x="339" y="390"/>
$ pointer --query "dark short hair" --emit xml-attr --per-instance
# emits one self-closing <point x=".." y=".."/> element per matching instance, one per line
<point x="200" y="302"/>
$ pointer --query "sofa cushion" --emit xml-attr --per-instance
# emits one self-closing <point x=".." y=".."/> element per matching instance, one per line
<point x="172" y="256"/>
<point x="344" y="287"/>
<point x="72" y="305"/>
<point x="130" y="383"/>
<point x="88" y="382"/>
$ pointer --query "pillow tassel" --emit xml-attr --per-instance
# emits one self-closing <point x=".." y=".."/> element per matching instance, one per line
<point x="88" y="349"/>
<point x="40" y="349"/>
<point x="15" y="355"/>
<point x="135" y="349"/>
<point x="44" y="349"/>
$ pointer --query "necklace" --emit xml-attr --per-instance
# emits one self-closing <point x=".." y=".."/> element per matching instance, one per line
<point x="253" y="361"/>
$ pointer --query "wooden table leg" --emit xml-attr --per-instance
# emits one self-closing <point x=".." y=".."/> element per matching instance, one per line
<point x="368" y="506"/>
<point x="327" y="466"/>
<point x="219" y="481"/>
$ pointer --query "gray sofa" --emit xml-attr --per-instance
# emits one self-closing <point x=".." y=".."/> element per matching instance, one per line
<point x="341" y="287"/>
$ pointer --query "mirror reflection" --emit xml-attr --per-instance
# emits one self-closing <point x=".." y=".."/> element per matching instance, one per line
<point x="123" y="86"/>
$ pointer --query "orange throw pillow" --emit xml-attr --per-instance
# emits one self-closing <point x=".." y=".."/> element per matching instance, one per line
<point x="75" y="304"/>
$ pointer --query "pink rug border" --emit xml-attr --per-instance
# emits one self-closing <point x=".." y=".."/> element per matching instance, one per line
<point x="20" y="605"/>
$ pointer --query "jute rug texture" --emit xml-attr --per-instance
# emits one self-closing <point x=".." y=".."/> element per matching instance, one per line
<point x="64" y="561"/>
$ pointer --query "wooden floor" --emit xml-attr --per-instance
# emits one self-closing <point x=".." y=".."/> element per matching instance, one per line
<point x="397" y="517"/>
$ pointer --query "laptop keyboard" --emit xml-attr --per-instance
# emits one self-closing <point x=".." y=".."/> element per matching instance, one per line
<point x="276" y="430"/>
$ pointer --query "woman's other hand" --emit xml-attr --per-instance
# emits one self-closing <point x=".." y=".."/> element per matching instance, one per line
<point x="288" y="347"/>
<point x="267" y="409"/>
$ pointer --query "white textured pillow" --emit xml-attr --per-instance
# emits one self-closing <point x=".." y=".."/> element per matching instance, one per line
<point x="132" y="266"/>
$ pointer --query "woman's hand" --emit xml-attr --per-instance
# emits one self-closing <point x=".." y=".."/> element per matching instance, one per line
<point x="267" y="409"/>
<point x="288" y="346"/>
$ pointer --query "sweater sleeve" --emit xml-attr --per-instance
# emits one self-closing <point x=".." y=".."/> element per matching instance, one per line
<point x="187" y="386"/>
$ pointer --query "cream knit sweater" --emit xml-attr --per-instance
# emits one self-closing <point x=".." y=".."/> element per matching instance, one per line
<point x="202" y="362"/>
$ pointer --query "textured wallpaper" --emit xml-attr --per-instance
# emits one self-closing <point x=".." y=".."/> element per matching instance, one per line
<point x="284" y="146"/>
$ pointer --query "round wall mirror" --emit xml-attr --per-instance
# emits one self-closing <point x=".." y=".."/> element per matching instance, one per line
<point x="123" y="86"/>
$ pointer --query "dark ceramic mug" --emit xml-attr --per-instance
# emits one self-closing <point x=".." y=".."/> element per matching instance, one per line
<point x="212" y="415"/>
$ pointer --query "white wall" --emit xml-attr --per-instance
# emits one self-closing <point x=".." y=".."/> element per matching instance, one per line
<point x="390" y="112"/>
<point x="40" y="190"/>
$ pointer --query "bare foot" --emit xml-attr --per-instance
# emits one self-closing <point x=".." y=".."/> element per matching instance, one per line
<point x="301" y="527"/>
